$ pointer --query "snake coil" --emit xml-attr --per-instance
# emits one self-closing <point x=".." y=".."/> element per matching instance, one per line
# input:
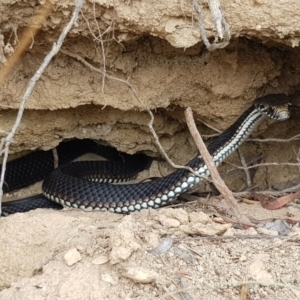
<point x="68" y="184"/>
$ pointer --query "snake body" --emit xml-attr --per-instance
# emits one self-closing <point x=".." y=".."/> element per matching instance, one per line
<point x="67" y="185"/>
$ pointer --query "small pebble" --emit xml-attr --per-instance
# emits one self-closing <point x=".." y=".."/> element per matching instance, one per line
<point x="72" y="257"/>
<point x="243" y="258"/>
<point x="199" y="217"/>
<point x="266" y="231"/>
<point x="109" y="279"/>
<point x="208" y="229"/>
<point x="140" y="275"/>
<point x="178" y="214"/>
<point x="100" y="260"/>
<point x="168" y="222"/>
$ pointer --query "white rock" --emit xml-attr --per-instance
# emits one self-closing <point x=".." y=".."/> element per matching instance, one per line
<point x="168" y="222"/>
<point x="180" y="214"/>
<point x="199" y="217"/>
<point x="140" y="275"/>
<point x="266" y="231"/>
<point x="242" y="258"/>
<point x="100" y="260"/>
<point x="72" y="257"/>
<point x="109" y="279"/>
<point x="205" y="229"/>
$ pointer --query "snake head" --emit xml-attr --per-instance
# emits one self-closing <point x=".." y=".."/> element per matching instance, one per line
<point x="275" y="106"/>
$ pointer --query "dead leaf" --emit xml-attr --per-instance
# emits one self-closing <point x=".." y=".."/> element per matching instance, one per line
<point x="275" y="203"/>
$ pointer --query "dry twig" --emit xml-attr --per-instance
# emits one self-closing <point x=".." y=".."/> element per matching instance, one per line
<point x="264" y="165"/>
<point x="217" y="180"/>
<point x="27" y="38"/>
<point x="220" y="24"/>
<point x="235" y="237"/>
<point x="230" y="284"/>
<point x="248" y="194"/>
<point x="5" y="142"/>
<point x="245" y="168"/>
<point x="267" y="140"/>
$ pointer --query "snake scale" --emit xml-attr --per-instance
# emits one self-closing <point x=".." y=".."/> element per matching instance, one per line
<point x="87" y="185"/>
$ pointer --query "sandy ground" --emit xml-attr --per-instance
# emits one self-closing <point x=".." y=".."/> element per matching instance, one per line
<point x="71" y="254"/>
<point x="156" y="46"/>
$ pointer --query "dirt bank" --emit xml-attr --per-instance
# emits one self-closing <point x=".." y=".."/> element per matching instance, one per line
<point x="156" y="47"/>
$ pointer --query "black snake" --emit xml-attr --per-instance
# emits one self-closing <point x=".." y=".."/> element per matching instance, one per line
<point x="68" y="184"/>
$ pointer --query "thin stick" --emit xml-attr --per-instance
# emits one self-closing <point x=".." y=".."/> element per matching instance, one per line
<point x="55" y="158"/>
<point x="291" y="288"/>
<point x="220" y="24"/>
<point x="217" y="180"/>
<point x="231" y="284"/>
<point x="27" y="38"/>
<point x="100" y="39"/>
<point x="245" y="168"/>
<point x="56" y="46"/>
<point x="267" y="140"/>
<point x="264" y="165"/>
<point x="236" y="237"/>
<point x="246" y="194"/>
